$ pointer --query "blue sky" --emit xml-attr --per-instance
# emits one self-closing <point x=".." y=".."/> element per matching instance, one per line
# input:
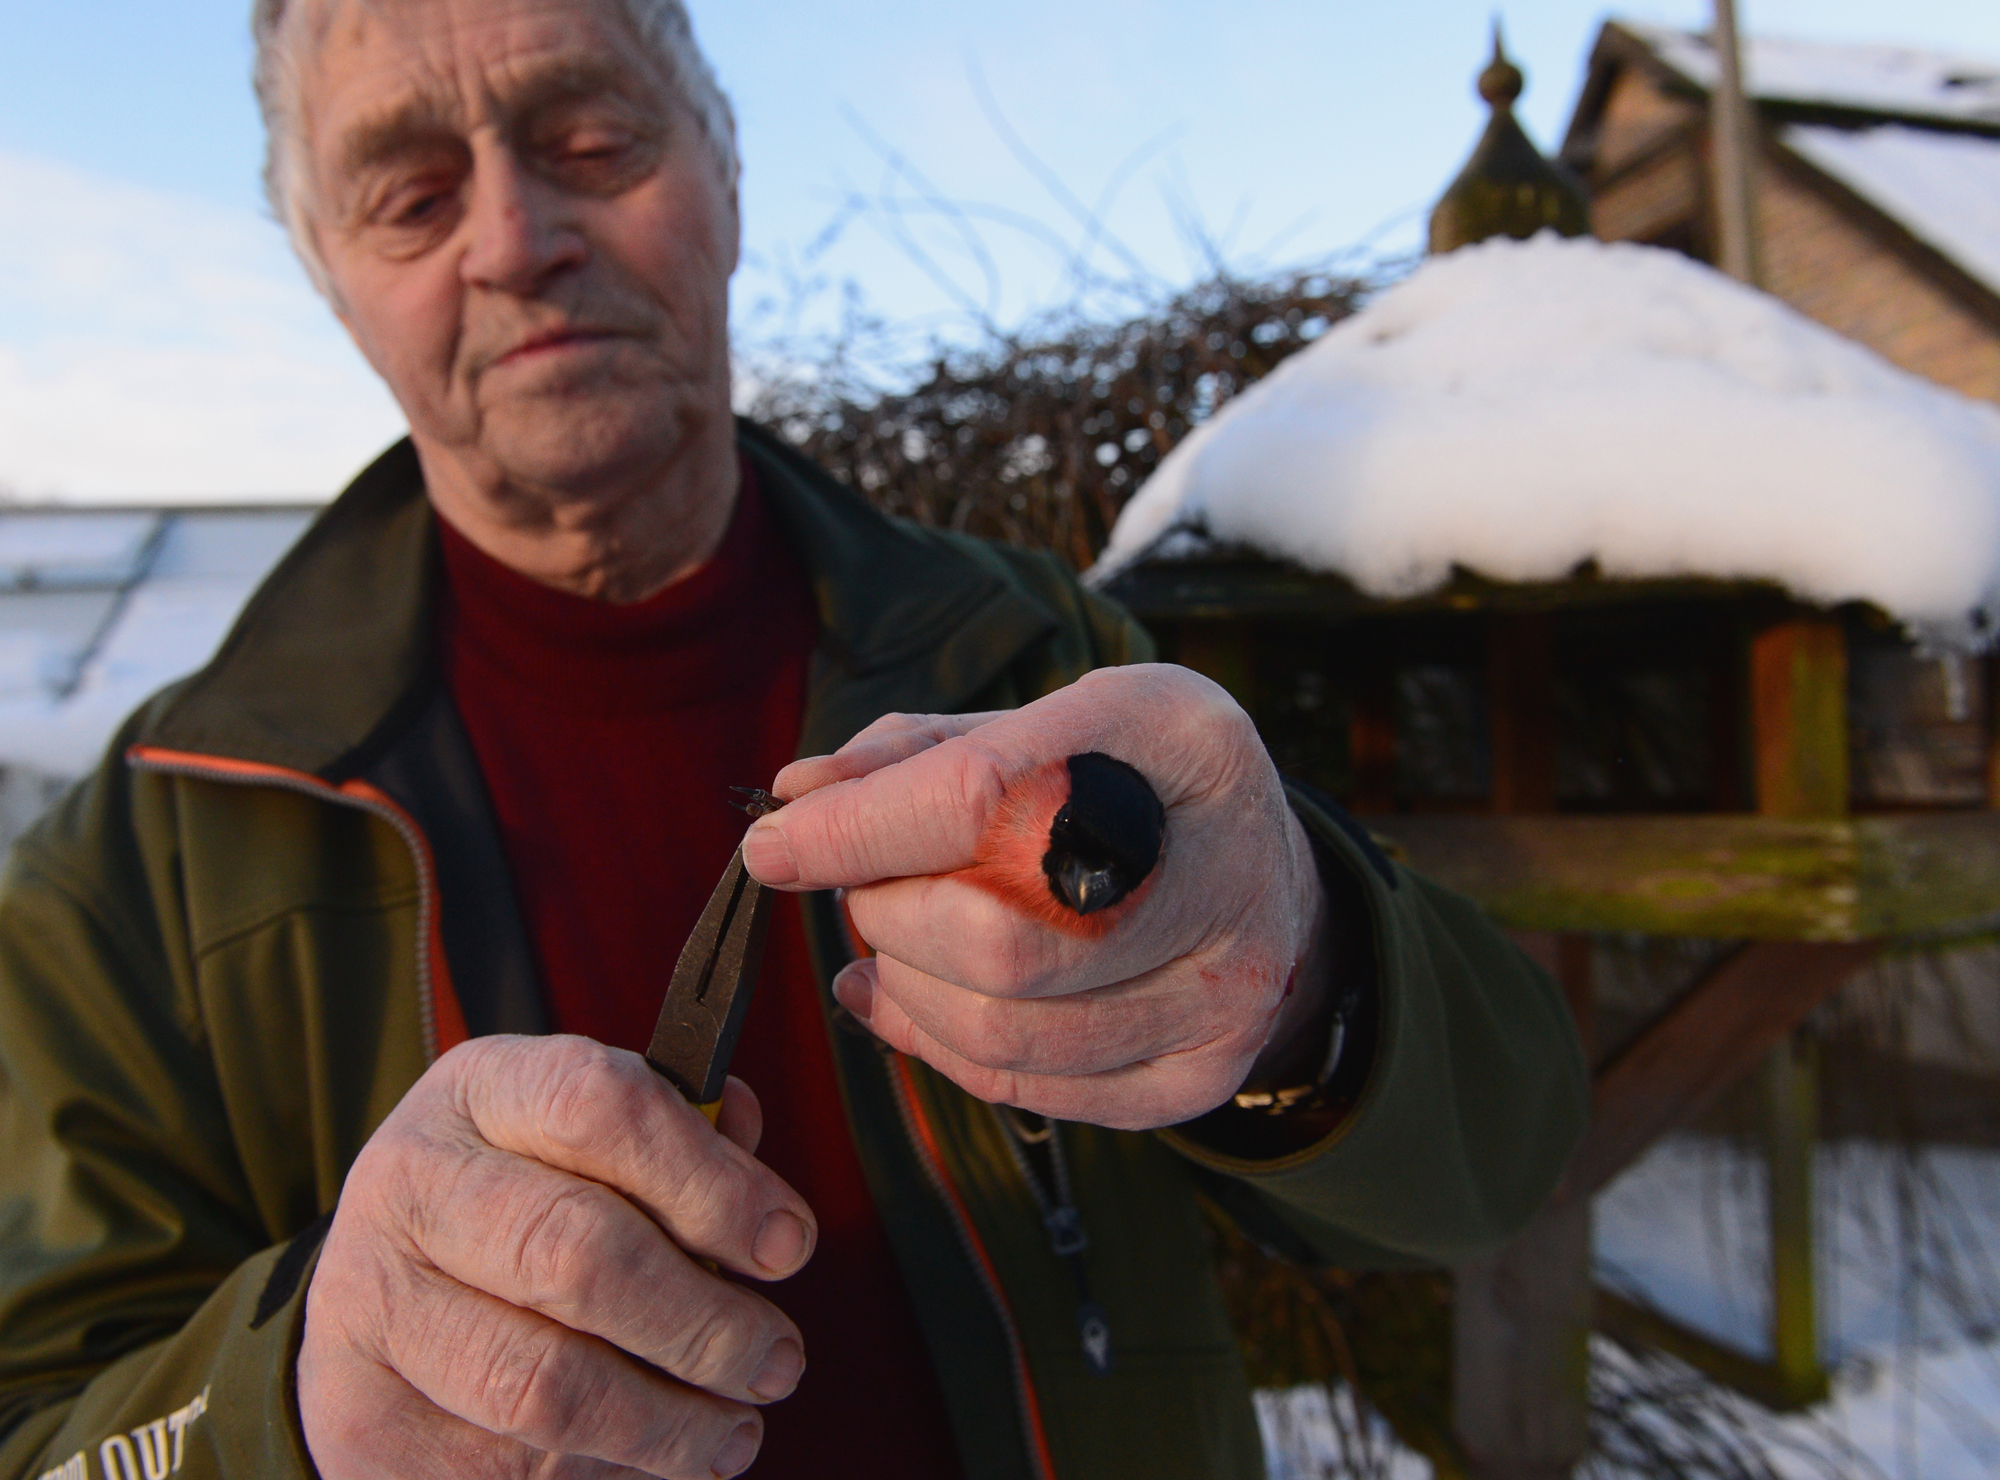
<point x="155" y="338"/>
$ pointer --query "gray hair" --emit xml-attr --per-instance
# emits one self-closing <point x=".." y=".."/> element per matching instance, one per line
<point x="277" y="27"/>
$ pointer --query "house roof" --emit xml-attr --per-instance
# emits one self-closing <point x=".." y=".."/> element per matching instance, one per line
<point x="1943" y="188"/>
<point x="1886" y="81"/>
<point x="101" y="606"/>
<point x="1909" y="137"/>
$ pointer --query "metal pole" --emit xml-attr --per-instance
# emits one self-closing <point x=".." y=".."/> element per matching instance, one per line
<point x="1735" y="136"/>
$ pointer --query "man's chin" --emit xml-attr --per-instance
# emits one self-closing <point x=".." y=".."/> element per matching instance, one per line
<point x="582" y="449"/>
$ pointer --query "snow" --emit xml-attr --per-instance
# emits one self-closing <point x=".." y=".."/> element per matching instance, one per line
<point x="1944" y="187"/>
<point x="1907" y="1309"/>
<point x="1302" y="1438"/>
<point x="1522" y="408"/>
<point x="56" y="549"/>
<point x="61" y="700"/>
<point x="1885" y="79"/>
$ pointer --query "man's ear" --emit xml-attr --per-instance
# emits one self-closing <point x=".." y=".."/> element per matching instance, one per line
<point x="736" y="221"/>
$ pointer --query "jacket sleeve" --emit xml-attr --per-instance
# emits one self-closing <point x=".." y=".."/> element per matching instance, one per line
<point x="1473" y="1102"/>
<point x="148" y="1314"/>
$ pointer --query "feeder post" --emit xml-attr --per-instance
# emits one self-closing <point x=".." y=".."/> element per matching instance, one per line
<point x="1992" y="663"/>
<point x="1521" y="1318"/>
<point x="1224" y="649"/>
<point x="1791" y="1110"/>
<point x="1798" y="706"/>
<point x="1371" y="736"/>
<point x="1520" y="683"/>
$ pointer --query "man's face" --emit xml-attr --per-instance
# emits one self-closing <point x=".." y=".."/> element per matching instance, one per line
<point x="525" y="231"/>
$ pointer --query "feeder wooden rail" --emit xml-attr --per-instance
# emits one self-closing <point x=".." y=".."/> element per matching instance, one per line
<point x="1724" y="876"/>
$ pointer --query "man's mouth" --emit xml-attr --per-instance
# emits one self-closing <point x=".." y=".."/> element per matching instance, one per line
<point x="551" y="342"/>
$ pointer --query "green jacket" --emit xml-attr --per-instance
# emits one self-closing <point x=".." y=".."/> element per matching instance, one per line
<point x="219" y="961"/>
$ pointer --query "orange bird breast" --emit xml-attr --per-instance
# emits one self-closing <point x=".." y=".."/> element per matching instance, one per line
<point x="1074" y="843"/>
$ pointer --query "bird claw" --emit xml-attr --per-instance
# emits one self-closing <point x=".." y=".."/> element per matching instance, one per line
<point x="756" y="801"/>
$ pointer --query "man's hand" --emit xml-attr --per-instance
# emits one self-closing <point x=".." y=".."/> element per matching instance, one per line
<point x="1150" y="1013"/>
<point x="512" y="1283"/>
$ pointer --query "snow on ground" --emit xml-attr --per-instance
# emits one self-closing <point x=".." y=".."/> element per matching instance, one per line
<point x="1520" y="408"/>
<point x="1908" y="1251"/>
<point x="1944" y="187"/>
<point x="1888" y="79"/>
<point x="1302" y="1439"/>
<point x="1909" y="1315"/>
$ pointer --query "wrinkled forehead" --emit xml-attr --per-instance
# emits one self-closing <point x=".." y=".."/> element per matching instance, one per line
<point x="373" y="71"/>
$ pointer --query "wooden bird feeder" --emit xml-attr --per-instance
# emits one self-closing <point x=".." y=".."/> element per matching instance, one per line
<point x="1678" y="757"/>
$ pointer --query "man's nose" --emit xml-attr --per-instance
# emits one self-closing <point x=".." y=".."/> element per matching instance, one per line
<point x="520" y="228"/>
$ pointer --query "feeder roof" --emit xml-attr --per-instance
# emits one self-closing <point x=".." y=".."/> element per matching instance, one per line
<point x="1507" y="187"/>
<point x="1525" y="410"/>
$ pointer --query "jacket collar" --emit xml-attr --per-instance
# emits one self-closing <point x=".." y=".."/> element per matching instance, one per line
<point x="336" y="651"/>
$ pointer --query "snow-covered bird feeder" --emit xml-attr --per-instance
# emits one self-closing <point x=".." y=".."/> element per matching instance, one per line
<point x="1623" y="598"/>
<point x="1592" y="533"/>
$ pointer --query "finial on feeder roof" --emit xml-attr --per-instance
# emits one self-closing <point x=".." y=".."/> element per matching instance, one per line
<point x="1507" y="188"/>
<point x="1501" y="83"/>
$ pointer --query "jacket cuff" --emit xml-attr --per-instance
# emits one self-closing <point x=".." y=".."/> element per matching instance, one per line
<point x="1474" y="1098"/>
<point x="1233" y="1136"/>
<point x="217" y="1399"/>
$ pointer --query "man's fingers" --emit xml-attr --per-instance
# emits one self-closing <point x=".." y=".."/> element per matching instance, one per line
<point x="937" y="783"/>
<point x="1167" y="1012"/>
<point x="922" y="815"/>
<point x="604" y="1115"/>
<point x="960" y="930"/>
<point x="578" y="1253"/>
<point x="535" y="1381"/>
<point x="1137" y="1097"/>
<point x="892" y="738"/>
<point x="424" y="1442"/>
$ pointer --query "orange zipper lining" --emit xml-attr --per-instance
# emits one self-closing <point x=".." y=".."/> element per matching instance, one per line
<point x="444" y="1017"/>
<point x="1031" y="1406"/>
<point x="929" y="1151"/>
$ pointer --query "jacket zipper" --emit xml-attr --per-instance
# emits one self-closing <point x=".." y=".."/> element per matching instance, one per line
<point x="1061" y="1220"/>
<point x="924" y="1145"/>
<point x="924" y="1142"/>
<point x="361" y="797"/>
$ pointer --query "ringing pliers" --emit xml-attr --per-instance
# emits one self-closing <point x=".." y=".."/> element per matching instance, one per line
<point x="709" y="995"/>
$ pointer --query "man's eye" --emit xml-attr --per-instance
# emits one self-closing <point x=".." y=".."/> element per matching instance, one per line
<point x="596" y="146"/>
<point x="599" y="160"/>
<point x="412" y="205"/>
<point x="414" y="211"/>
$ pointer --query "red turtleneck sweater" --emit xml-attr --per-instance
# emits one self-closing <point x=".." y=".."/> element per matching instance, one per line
<point x="609" y="736"/>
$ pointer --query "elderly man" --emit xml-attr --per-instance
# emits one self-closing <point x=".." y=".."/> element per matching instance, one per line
<point x="456" y="779"/>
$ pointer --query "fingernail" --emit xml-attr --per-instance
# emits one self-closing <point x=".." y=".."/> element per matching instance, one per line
<point x="735" y="1456"/>
<point x="854" y="990"/>
<point x="781" y="1241"/>
<point x="780" y="1372"/>
<point x="768" y="855"/>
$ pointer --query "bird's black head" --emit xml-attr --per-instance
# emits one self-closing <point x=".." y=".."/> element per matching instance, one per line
<point x="1107" y="837"/>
